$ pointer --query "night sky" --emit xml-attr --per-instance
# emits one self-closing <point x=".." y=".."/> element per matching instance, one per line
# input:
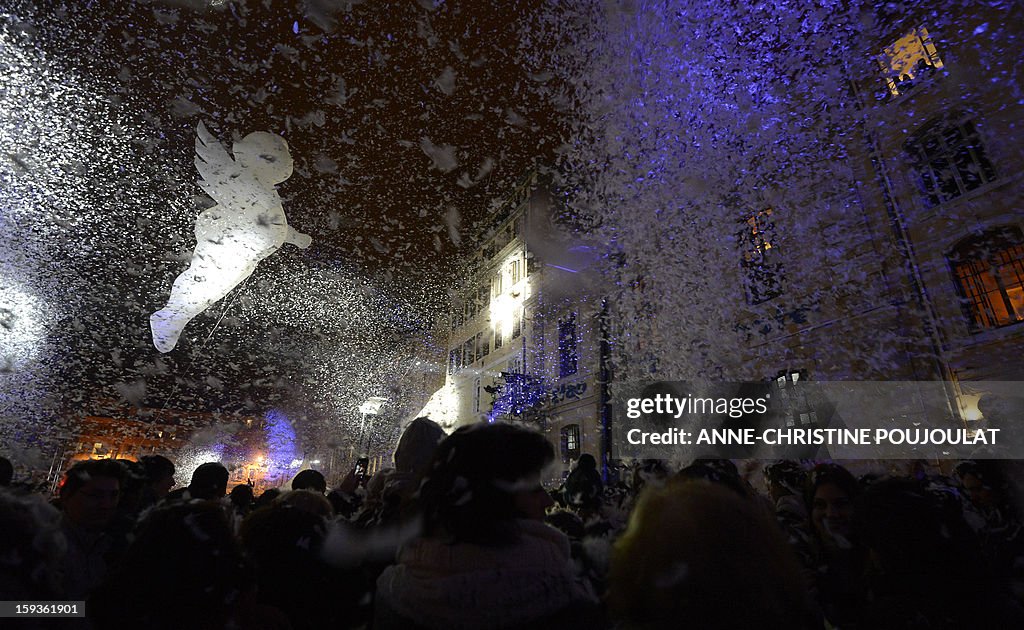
<point x="407" y="122"/>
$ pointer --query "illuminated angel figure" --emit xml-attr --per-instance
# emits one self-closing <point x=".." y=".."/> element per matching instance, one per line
<point x="247" y="225"/>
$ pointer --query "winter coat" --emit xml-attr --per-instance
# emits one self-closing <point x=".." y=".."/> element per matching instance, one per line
<point x="466" y="586"/>
<point x="583" y="488"/>
<point x="85" y="565"/>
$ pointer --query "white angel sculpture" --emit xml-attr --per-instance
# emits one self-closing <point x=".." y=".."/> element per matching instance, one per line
<point x="247" y="225"/>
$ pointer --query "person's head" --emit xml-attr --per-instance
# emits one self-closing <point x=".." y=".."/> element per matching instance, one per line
<point x="1001" y="411"/>
<point x="90" y="492"/>
<point x="209" y="481"/>
<point x="483" y="478"/>
<point x="648" y="471"/>
<point x="133" y="482"/>
<point x="416" y="447"/>
<point x="6" y="471"/>
<point x="307" y="501"/>
<point x="284" y="542"/>
<point x="267" y="497"/>
<point x="159" y="473"/>
<point x="586" y="462"/>
<point x="183" y="569"/>
<point x="722" y="475"/>
<point x="242" y="497"/>
<point x="695" y="550"/>
<point x="265" y="155"/>
<point x="785" y="478"/>
<point x="831" y="491"/>
<point x="982" y="481"/>
<point x="310" y="480"/>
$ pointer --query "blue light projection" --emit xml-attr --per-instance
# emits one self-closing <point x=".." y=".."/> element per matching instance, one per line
<point x="280" y="436"/>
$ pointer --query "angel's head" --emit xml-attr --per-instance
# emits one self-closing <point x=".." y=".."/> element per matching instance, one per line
<point x="265" y="155"/>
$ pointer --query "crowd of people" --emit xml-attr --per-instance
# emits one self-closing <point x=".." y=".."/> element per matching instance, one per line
<point x="463" y="533"/>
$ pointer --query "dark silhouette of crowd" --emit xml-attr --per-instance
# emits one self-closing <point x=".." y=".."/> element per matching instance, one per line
<point x="462" y="533"/>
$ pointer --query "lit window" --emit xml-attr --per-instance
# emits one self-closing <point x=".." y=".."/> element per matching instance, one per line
<point x="568" y="359"/>
<point x="570" y="442"/>
<point x="950" y="160"/>
<point x="762" y="273"/>
<point x="909" y="60"/>
<point x="514" y="271"/>
<point x="989" y="271"/>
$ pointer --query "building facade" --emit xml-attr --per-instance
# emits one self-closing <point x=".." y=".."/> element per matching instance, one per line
<point x="524" y="332"/>
<point x="914" y="272"/>
<point x="943" y="139"/>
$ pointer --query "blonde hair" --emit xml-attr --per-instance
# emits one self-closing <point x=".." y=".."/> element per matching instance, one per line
<point x="698" y="552"/>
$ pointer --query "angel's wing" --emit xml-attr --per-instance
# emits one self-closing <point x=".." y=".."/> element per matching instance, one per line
<point x="221" y="177"/>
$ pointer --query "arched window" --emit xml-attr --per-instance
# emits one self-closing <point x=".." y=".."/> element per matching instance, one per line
<point x="989" y="271"/>
<point x="570" y="442"/>
<point x="949" y="159"/>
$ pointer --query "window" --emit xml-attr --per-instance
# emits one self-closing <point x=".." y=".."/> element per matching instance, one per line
<point x="949" y="160"/>
<point x="485" y="345"/>
<point x="467" y="352"/>
<point x="483" y="296"/>
<point x="908" y="61"/>
<point x="989" y="272"/>
<point x="762" y="272"/>
<point x="570" y="442"/>
<point x="478" y="344"/>
<point x="496" y="285"/>
<point x="497" y="338"/>
<point x="517" y="323"/>
<point x="454" y="362"/>
<point x="799" y="410"/>
<point x="568" y="359"/>
<point x="514" y="271"/>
